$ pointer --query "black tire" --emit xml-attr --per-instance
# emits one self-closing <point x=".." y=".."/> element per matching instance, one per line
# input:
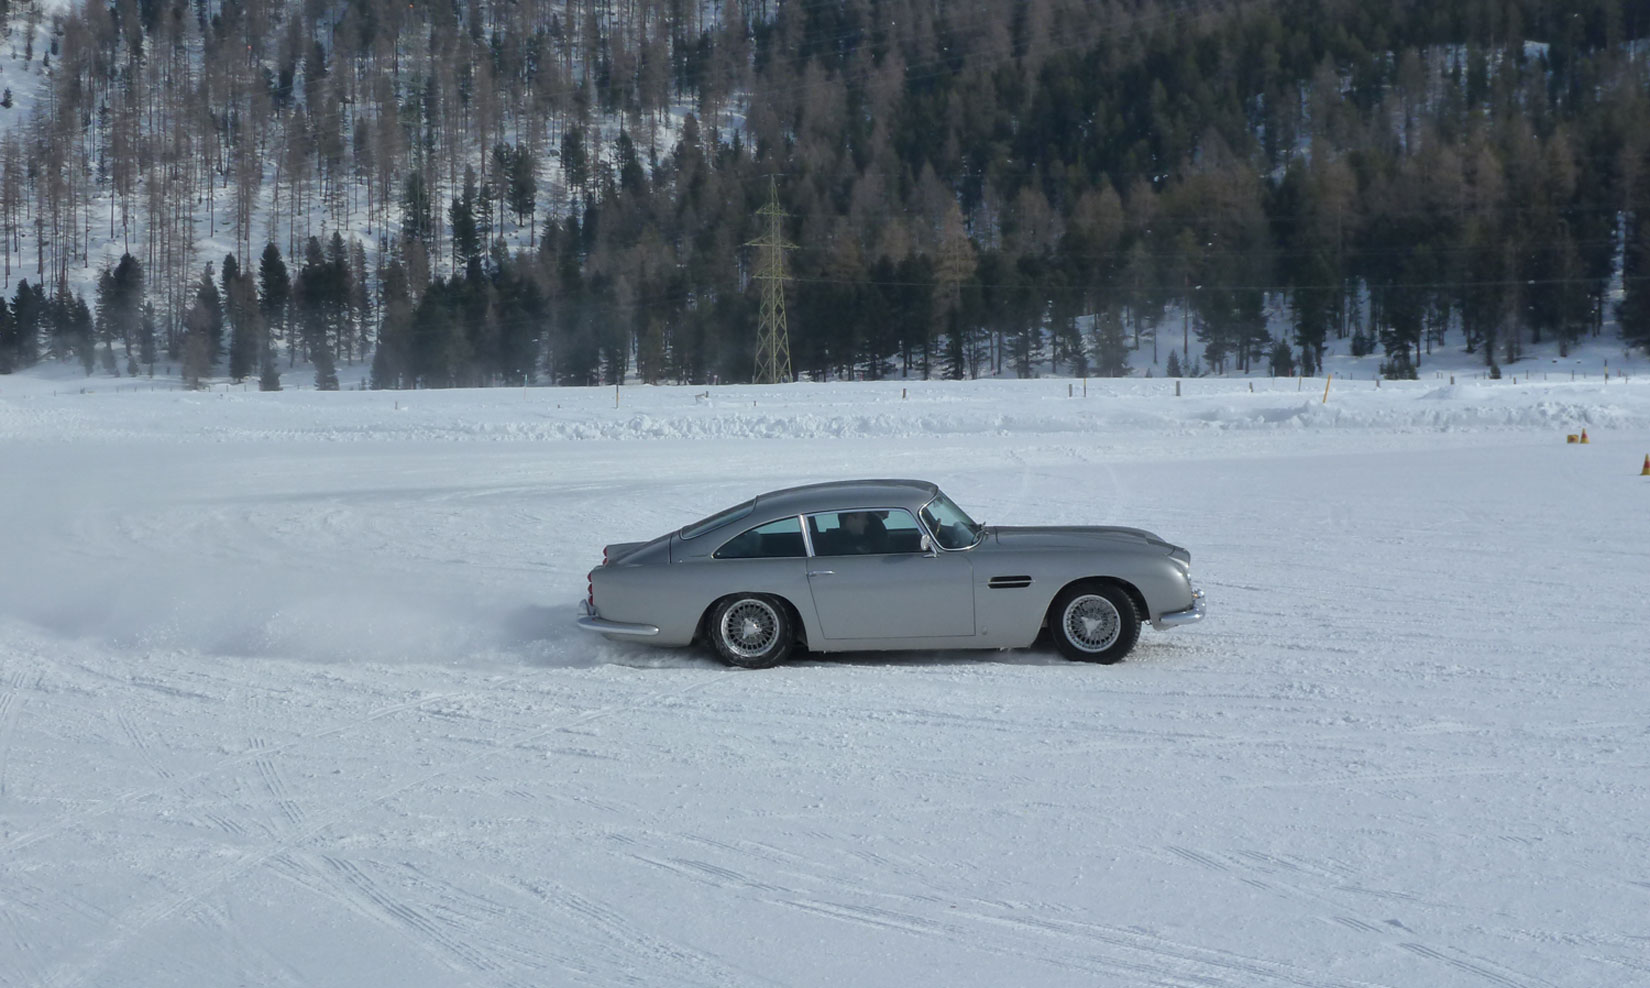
<point x="1094" y="622"/>
<point x="751" y="630"/>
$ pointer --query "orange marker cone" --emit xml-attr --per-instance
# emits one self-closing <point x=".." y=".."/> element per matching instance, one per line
<point x="1646" y="471"/>
<point x="1584" y="435"/>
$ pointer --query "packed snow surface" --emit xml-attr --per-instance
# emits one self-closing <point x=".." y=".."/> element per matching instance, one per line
<point x="291" y="694"/>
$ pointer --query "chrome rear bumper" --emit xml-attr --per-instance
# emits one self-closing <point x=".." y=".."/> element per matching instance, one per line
<point x="1190" y="615"/>
<point x="589" y="620"/>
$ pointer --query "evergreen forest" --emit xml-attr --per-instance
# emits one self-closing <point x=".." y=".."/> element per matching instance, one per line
<point x="504" y="192"/>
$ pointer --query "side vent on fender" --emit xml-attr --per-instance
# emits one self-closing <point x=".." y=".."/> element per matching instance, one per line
<point x="1009" y="582"/>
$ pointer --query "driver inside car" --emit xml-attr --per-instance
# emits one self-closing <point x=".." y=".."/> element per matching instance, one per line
<point x="862" y="533"/>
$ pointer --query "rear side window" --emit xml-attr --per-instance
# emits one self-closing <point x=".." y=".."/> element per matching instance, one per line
<point x="775" y="540"/>
<point x="717" y="520"/>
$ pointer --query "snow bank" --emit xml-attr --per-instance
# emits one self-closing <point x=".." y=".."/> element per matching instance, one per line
<point x="55" y="409"/>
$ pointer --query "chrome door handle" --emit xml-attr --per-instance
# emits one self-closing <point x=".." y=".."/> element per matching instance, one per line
<point x="822" y="572"/>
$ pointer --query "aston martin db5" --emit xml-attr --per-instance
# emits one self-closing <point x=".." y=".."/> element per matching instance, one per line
<point x="869" y="565"/>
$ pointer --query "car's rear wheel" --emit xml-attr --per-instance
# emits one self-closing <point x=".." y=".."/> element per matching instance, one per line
<point x="752" y="631"/>
<point x="1094" y="622"/>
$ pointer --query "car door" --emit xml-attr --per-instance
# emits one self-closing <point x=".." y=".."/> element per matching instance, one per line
<point x="881" y="584"/>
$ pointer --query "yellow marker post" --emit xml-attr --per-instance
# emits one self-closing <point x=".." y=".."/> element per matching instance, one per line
<point x="1326" y="381"/>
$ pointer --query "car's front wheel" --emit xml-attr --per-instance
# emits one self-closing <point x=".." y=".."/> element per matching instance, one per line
<point x="752" y="631"/>
<point x="1094" y="622"/>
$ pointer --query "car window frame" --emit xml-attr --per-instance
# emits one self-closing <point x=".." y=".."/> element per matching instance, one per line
<point x="933" y="537"/>
<point x="807" y="547"/>
<point x="807" y="533"/>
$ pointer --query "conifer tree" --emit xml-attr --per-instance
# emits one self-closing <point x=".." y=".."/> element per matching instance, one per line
<point x="28" y="314"/>
<point x="146" y="337"/>
<point x="1634" y="308"/>
<point x="206" y="314"/>
<point x="10" y="358"/>
<point x="274" y="297"/>
<point x="1111" y="345"/>
<point x="241" y="314"/>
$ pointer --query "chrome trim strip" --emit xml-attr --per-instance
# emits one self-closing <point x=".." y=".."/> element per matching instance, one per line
<point x="807" y="537"/>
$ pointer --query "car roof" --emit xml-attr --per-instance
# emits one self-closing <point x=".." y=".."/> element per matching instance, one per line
<point x="840" y="494"/>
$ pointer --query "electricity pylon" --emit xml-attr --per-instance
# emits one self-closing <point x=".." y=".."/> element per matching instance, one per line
<point x="773" y="339"/>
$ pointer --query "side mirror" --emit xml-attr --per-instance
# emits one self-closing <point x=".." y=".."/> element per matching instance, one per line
<point x="927" y="545"/>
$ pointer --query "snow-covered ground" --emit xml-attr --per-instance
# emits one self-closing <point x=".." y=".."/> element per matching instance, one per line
<point x="290" y="694"/>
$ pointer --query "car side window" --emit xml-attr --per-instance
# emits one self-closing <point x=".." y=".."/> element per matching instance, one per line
<point x="871" y="531"/>
<point x="775" y="540"/>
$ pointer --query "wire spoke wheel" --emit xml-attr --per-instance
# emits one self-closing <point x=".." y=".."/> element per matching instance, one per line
<point x="1092" y="623"/>
<point x="750" y="627"/>
<point x="751" y="631"/>
<point x="1095" y="621"/>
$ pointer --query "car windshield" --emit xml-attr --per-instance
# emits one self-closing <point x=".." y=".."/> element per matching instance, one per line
<point x="952" y="527"/>
<point x="717" y="520"/>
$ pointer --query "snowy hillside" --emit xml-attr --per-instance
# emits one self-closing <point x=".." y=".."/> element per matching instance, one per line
<point x="290" y="694"/>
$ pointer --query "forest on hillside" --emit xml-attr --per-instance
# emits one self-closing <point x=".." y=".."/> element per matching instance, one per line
<point x="474" y="192"/>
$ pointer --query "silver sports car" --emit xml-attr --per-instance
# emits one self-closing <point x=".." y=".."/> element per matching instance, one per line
<point x="866" y="565"/>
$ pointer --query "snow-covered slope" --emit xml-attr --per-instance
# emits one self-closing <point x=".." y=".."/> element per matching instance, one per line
<point x="290" y="695"/>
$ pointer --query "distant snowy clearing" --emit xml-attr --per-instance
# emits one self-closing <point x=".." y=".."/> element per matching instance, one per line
<point x="290" y="694"/>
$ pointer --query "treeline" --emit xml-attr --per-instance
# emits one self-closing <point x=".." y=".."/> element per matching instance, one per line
<point x="488" y="192"/>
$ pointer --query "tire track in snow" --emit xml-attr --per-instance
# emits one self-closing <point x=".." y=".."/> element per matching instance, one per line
<point x="1105" y="951"/>
<point x="8" y="722"/>
<point x="135" y="921"/>
<point x="270" y="970"/>
<point x="464" y="916"/>
<point x="1285" y="887"/>
<point x="141" y="744"/>
<point x="17" y="946"/>
<point x="621" y="939"/>
<point x="271" y="777"/>
<point x="1100" y="950"/>
<point x="1474" y="966"/>
<point x="250" y="755"/>
<point x="421" y="928"/>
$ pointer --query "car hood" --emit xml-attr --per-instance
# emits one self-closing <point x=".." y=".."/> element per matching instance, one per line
<point x="1073" y="537"/>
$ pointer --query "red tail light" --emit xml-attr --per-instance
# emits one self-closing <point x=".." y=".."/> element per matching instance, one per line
<point x="604" y="555"/>
<point x="590" y="588"/>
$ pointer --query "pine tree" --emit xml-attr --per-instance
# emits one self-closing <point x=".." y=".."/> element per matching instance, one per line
<point x="392" y="360"/>
<point x="1633" y="311"/>
<point x="241" y="313"/>
<point x="467" y="242"/>
<point x="74" y="323"/>
<point x="522" y="192"/>
<point x="316" y="297"/>
<point x="1111" y="345"/>
<point x="207" y="313"/>
<point x="1282" y="362"/>
<point x="269" y="374"/>
<point x="10" y="359"/>
<point x="274" y="297"/>
<point x="417" y="211"/>
<point x="146" y="338"/>
<point x="28" y="309"/>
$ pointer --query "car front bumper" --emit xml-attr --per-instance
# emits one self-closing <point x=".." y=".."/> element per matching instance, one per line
<point x="1190" y="615"/>
<point x="589" y="620"/>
